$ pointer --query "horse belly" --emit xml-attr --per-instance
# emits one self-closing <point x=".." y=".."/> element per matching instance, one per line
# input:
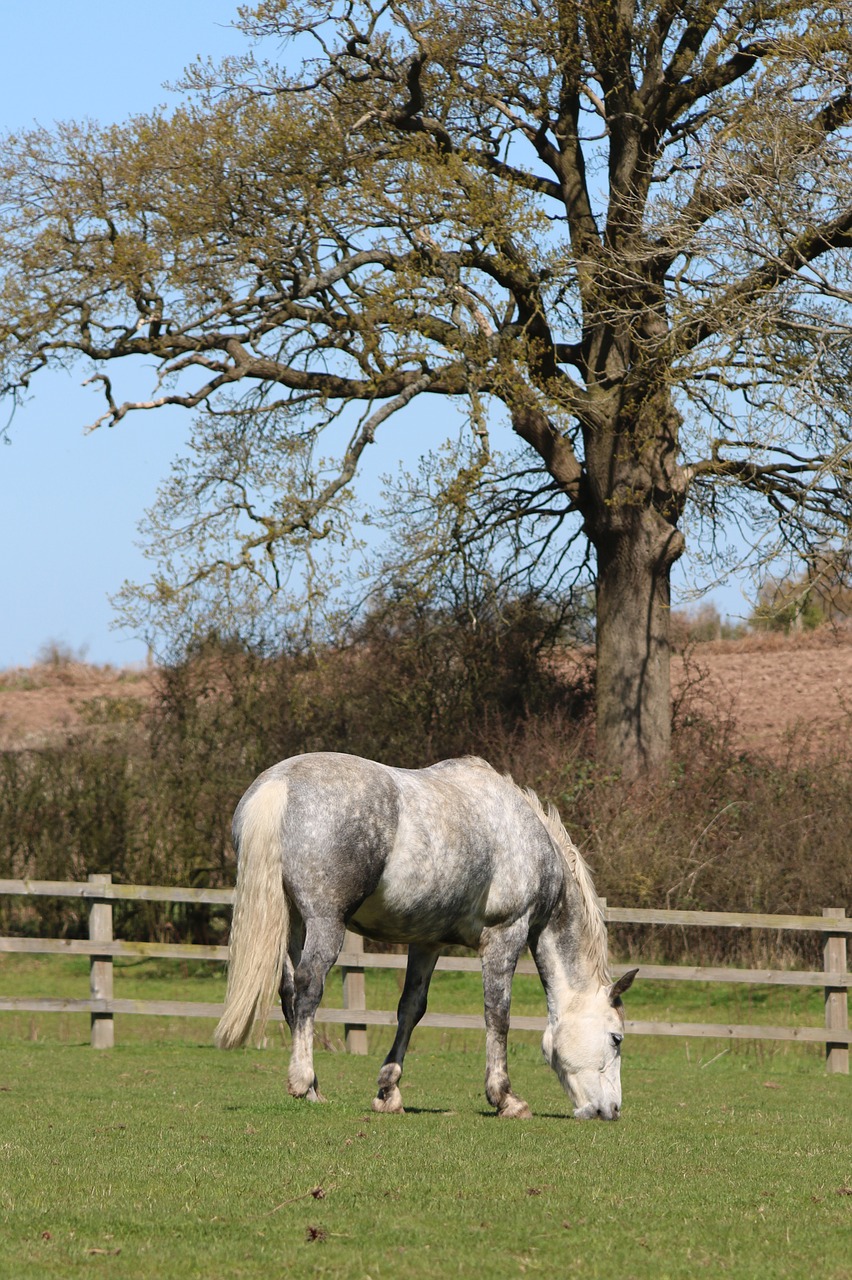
<point x="424" y="926"/>
<point x="449" y="900"/>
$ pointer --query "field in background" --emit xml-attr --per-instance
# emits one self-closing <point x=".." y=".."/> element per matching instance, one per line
<point x="764" y="685"/>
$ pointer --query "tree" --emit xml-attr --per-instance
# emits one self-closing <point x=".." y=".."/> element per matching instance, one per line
<point x="623" y="226"/>
<point x="819" y="596"/>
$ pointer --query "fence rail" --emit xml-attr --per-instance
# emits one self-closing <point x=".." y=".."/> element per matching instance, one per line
<point x="355" y="1017"/>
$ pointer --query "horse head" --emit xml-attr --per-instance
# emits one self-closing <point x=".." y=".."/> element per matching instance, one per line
<point x="584" y="1049"/>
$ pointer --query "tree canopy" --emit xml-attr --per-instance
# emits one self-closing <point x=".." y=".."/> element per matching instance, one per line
<point x="622" y="227"/>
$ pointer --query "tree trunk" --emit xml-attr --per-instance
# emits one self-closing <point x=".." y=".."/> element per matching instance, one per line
<point x="633" y="692"/>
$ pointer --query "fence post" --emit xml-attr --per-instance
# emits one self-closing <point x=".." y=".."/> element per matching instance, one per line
<point x="354" y="994"/>
<point x="836" y="1002"/>
<point x="100" y="970"/>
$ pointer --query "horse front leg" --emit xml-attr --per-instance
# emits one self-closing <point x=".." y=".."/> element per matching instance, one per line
<point x="412" y="1006"/>
<point x="500" y="951"/>
<point x="323" y="940"/>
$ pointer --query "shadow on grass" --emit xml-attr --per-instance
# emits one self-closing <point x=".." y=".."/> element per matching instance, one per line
<point x="425" y="1111"/>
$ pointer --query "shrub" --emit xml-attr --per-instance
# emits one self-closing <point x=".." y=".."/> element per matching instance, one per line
<point x="150" y="799"/>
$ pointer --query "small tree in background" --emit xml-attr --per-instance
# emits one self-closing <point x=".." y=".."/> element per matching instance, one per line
<point x="820" y="595"/>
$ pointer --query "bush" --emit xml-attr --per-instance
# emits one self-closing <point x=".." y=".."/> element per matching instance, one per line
<point x="150" y="799"/>
<point x="700" y="626"/>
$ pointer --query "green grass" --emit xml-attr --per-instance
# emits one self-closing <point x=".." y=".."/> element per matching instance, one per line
<point x="167" y="1161"/>
<point x="66" y="976"/>
<point x="163" y="1158"/>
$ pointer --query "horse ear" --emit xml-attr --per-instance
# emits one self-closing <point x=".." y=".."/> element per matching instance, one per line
<point x="625" y="982"/>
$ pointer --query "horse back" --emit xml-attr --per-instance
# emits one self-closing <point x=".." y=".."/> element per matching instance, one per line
<point x="429" y="855"/>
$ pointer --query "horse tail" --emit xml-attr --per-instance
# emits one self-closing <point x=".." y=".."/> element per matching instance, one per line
<point x="261" y="920"/>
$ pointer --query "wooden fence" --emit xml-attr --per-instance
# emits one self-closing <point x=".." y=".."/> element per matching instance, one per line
<point x="355" y="1017"/>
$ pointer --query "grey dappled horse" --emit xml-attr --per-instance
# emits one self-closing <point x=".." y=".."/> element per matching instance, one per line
<point x="452" y="854"/>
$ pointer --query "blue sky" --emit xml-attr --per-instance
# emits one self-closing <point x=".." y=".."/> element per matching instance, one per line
<point x="70" y="503"/>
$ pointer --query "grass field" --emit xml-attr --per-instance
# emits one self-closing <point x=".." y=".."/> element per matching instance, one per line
<point x="164" y="1158"/>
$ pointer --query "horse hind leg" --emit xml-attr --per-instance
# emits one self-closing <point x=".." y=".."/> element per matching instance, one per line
<point x="412" y="1006"/>
<point x="499" y="958"/>
<point x="323" y="940"/>
<point x="287" y="989"/>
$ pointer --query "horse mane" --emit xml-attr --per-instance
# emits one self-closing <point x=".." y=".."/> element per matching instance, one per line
<point x="593" y="916"/>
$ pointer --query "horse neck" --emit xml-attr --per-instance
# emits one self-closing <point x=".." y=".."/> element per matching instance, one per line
<point x="566" y="956"/>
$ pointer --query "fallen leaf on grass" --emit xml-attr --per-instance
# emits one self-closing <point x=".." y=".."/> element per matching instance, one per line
<point x="318" y="1193"/>
<point x="844" y="1191"/>
<point x="316" y="1233"/>
<point x="106" y="1253"/>
<point x="45" y="1235"/>
<point x="770" y="1084"/>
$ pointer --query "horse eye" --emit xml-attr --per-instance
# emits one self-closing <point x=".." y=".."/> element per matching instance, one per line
<point x="616" y="1041"/>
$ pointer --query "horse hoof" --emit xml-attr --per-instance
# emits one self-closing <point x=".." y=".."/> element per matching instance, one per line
<point x="515" y="1109"/>
<point x="390" y="1104"/>
<point x="311" y="1094"/>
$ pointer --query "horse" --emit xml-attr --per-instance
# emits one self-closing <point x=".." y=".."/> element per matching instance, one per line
<point x="453" y="854"/>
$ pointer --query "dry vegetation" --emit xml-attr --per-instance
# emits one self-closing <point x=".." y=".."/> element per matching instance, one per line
<point x="760" y="689"/>
<point x="138" y="772"/>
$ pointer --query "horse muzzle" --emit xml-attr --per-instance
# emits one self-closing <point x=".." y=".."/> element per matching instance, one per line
<point x="608" y="1111"/>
